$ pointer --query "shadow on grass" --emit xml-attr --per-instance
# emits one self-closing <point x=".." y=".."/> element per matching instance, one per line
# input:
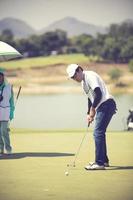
<point x="34" y="154"/>
<point x="120" y="168"/>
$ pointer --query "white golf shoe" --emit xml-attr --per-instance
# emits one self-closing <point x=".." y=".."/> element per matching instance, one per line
<point x="9" y="152"/>
<point x="94" y="166"/>
<point x="106" y="164"/>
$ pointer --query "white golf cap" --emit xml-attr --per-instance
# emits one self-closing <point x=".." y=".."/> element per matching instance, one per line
<point x="71" y="69"/>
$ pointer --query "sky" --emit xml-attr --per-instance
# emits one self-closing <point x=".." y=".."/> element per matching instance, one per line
<point x="41" y="13"/>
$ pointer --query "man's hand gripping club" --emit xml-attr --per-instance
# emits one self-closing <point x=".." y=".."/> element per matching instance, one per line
<point x="91" y="115"/>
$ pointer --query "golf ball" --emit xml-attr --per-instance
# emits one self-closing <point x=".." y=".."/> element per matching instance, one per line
<point x="66" y="173"/>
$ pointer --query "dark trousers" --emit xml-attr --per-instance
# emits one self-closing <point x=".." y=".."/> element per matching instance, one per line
<point x="103" y="116"/>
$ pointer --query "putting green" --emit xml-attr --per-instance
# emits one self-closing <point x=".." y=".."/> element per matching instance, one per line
<point x="36" y="170"/>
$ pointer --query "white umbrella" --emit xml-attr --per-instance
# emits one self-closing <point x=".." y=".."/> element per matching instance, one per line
<point x="7" y="52"/>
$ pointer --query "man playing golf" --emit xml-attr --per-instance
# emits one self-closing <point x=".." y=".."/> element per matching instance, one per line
<point x="6" y="113"/>
<point x="101" y="106"/>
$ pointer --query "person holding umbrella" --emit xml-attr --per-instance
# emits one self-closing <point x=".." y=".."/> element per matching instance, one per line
<point x="101" y="106"/>
<point x="6" y="113"/>
<point x="7" y="52"/>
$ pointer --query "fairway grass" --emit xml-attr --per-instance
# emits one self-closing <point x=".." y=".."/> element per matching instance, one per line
<point x="36" y="170"/>
<point x="46" y="61"/>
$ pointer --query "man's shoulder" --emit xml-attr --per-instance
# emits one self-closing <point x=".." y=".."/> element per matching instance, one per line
<point x="90" y="73"/>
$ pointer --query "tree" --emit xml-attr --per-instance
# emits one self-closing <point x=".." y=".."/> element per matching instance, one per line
<point x="7" y="36"/>
<point x="123" y="30"/>
<point x="28" y="47"/>
<point x="127" y="50"/>
<point x="118" y="43"/>
<point x="83" y="43"/>
<point x="53" y="41"/>
<point x="111" y="49"/>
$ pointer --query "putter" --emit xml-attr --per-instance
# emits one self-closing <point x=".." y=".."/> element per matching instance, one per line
<point x="78" y="150"/>
<point x="17" y="95"/>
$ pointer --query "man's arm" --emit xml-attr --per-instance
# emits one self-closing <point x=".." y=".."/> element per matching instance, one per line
<point x="97" y="99"/>
<point x="89" y="106"/>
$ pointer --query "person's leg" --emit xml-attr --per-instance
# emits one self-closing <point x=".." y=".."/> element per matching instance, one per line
<point x="106" y="159"/>
<point x="5" y="133"/>
<point x="103" y="117"/>
<point x="1" y="141"/>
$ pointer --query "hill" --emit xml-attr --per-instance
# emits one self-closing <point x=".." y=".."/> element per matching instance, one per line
<point x="75" y="27"/>
<point x="19" y="28"/>
<point x="72" y="26"/>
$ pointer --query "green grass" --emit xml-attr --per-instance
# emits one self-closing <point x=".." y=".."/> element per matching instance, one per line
<point x="37" y="169"/>
<point x="45" y="61"/>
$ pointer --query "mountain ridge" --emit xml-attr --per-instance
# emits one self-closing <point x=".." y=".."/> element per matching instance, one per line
<point x="19" y="28"/>
<point x="71" y="25"/>
<point x="74" y="27"/>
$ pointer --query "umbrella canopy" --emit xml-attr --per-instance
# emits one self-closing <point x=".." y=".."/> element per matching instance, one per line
<point x="7" y="52"/>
